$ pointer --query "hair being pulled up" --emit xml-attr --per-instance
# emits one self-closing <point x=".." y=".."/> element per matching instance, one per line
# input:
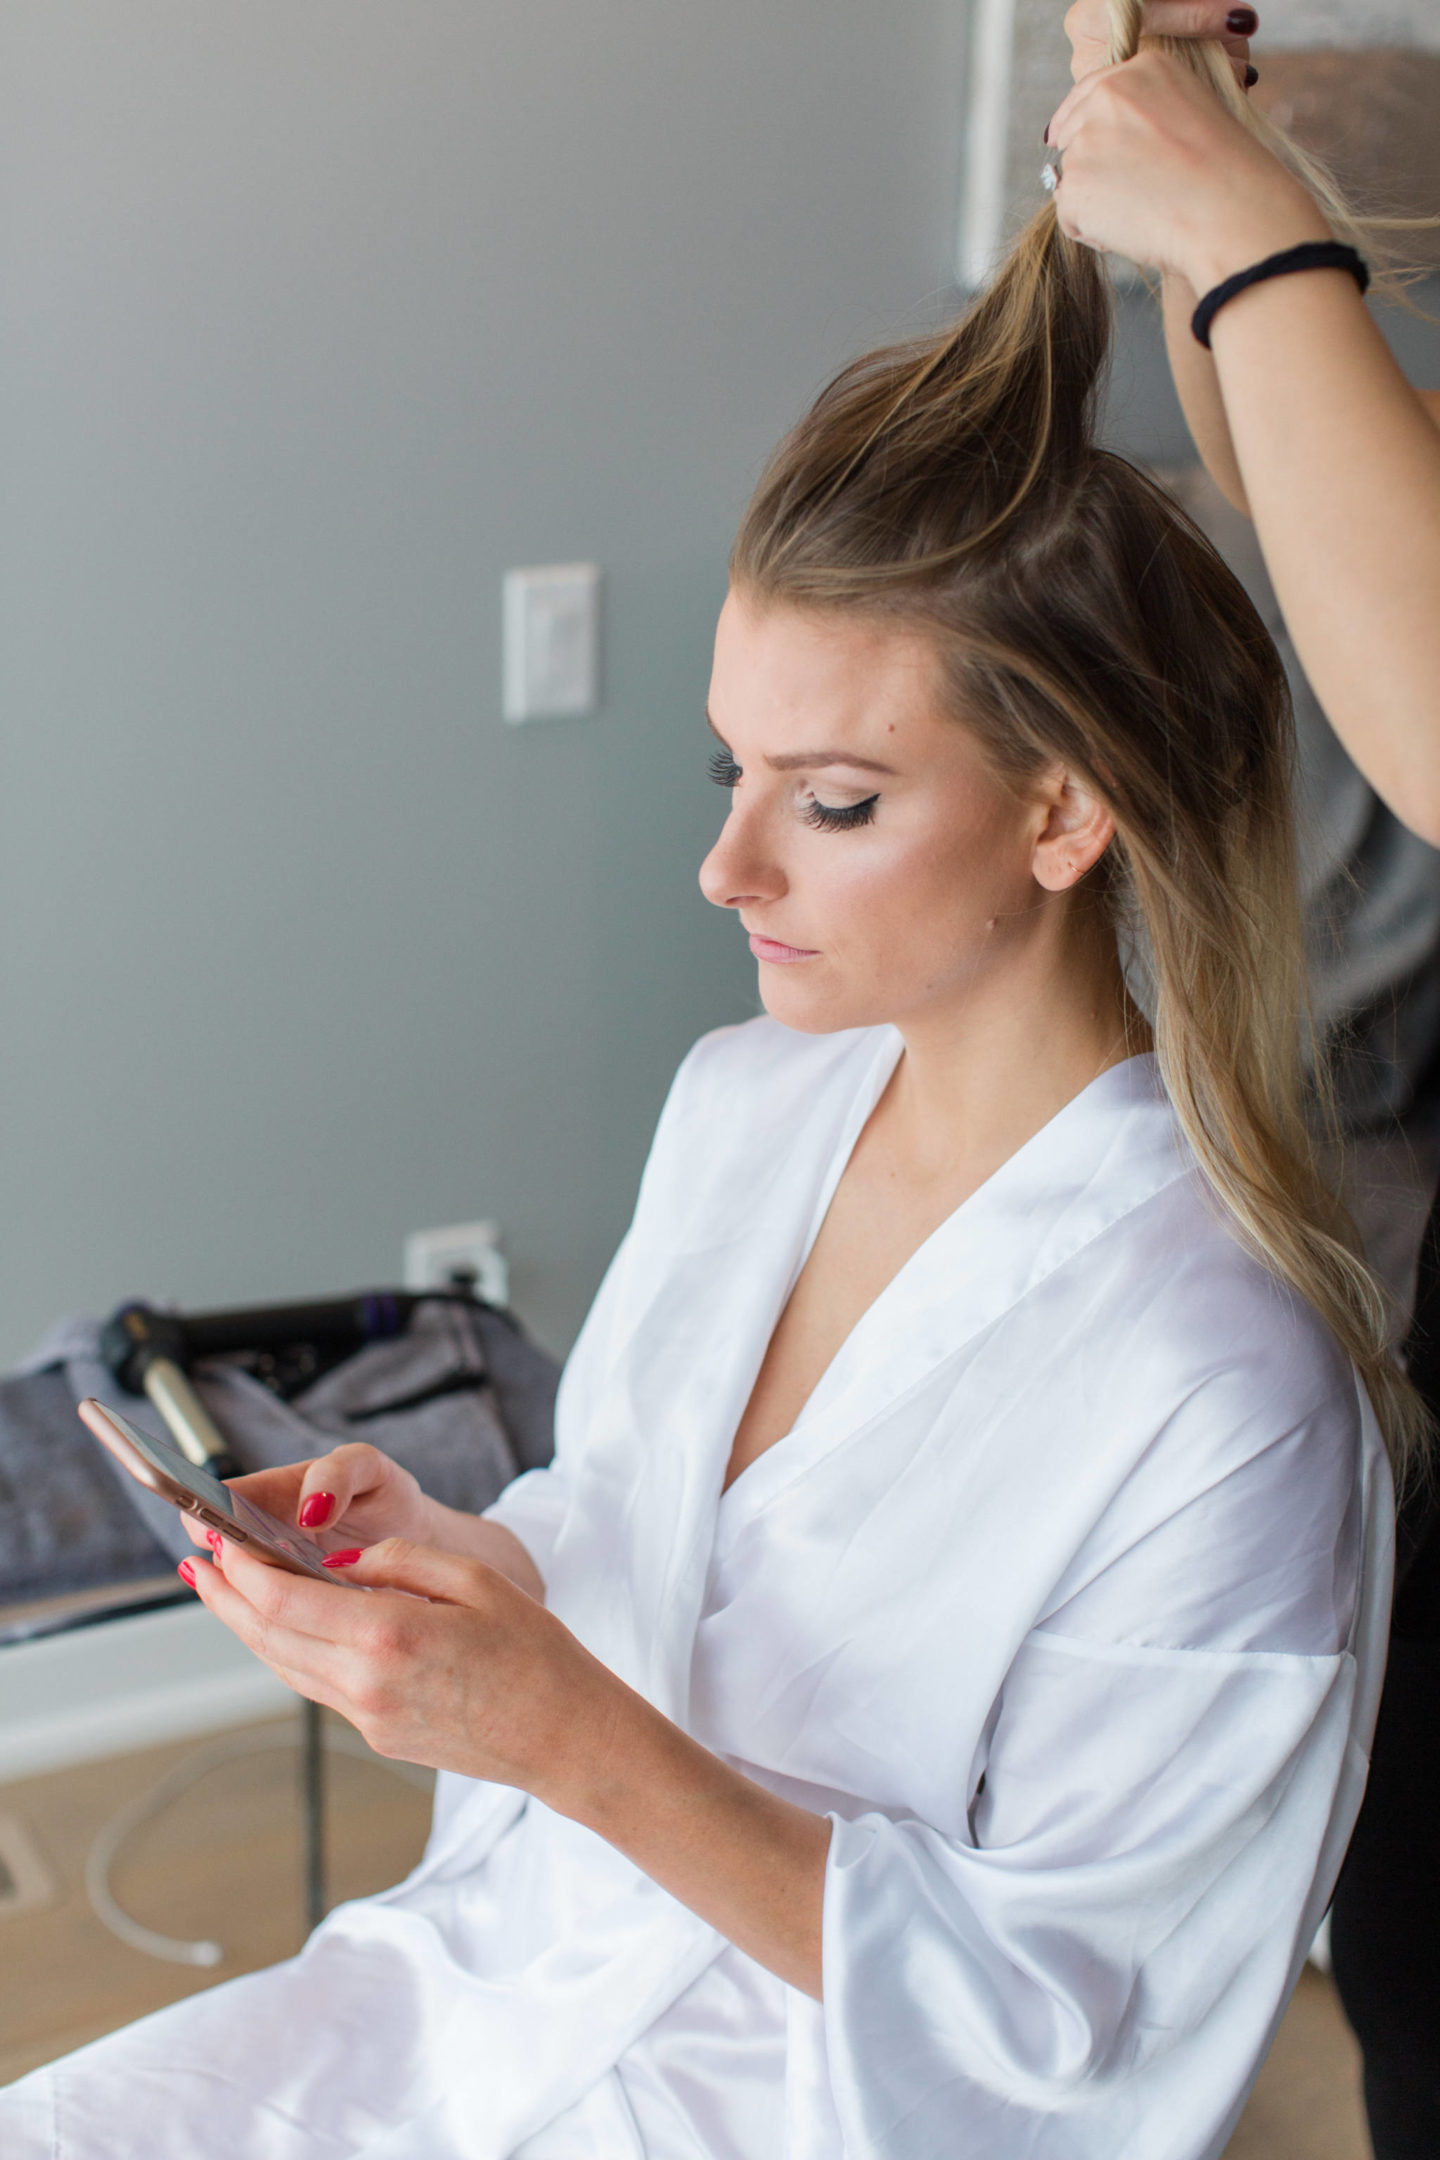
<point x="954" y="484"/>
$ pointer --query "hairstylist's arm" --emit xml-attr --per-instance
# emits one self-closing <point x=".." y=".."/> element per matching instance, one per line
<point x="1302" y="415"/>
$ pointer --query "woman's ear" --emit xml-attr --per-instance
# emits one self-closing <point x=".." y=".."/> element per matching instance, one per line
<point x="1077" y="830"/>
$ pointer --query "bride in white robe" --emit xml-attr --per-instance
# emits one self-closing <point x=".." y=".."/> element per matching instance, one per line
<point x="1056" y="1600"/>
<point x="923" y="1708"/>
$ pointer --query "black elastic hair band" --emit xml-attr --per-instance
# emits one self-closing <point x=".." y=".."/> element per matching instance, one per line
<point x="1310" y="255"/>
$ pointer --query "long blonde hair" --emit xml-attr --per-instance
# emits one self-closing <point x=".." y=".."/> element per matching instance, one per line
<point x="954" y="483"/>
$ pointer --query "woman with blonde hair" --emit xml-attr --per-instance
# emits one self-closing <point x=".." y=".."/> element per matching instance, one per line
<point x="924" y="1706"/>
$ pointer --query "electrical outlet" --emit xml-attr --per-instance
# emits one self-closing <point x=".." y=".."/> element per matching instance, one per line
<point x="459" y="1256"/>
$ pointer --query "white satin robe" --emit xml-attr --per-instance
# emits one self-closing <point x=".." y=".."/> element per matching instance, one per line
<point x="1064" y="1599"/>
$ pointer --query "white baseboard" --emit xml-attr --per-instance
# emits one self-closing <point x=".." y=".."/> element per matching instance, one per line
<point x="125" y="1684"/>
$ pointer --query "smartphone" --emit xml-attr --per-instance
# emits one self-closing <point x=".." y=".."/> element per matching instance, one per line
<point x="162" y="1468"/>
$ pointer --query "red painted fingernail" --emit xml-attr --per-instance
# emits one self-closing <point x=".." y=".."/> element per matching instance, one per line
<point x="316" y="1510"/>
<point x="214" y="1540"/>
<point x="1242" y="22"/>
<point x="342" y="1559"/>
<point x="187" y="1572"/>
<point x="1252" y="76"/>
<point x="1046" y="136"/>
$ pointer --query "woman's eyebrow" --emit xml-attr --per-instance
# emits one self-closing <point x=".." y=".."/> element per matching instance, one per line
<point x="812" y="760"/>
<point x="809" y="760"/>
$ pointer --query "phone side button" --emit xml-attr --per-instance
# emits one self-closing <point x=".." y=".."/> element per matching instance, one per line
<point x="225" y="1523"/>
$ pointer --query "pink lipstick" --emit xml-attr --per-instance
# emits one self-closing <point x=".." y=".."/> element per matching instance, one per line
<point x="765" y="948"/>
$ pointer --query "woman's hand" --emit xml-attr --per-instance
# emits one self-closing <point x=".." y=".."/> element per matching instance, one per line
<point x="448" y="1663"/>
<point x="1152" y="167"/>
<point x="354" y="1494"/>
<point x="355" y="1497"/>
<point x="1088" y="28"/>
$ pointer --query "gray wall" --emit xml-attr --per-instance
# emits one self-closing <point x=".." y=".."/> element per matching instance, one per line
<point x="320" y="313"/>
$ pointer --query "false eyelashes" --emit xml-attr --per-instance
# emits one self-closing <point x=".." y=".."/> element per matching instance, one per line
<point x="825" y="818"/>
<point x="821" y="817"/>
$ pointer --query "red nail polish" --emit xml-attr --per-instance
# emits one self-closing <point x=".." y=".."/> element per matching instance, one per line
<point x="1242" y="22"/>
<point x="342" y="1559"/>
<point x="186" y="1573"/>
<point x="214" y="1540"/>
<point x="316" y="1510"/>
<point x="1252" y="76"/>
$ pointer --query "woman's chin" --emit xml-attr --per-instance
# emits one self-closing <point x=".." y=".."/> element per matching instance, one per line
<point x="806" y="1008"/>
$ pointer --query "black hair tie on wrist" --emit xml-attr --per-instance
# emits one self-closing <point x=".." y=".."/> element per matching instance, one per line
<point x="1310" y="255"/>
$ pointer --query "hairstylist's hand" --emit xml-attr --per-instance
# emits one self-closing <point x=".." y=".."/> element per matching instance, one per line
<point x="1152" y="167"/>
<point x="463" y="1671"/>
<point x="1088" y="28"/>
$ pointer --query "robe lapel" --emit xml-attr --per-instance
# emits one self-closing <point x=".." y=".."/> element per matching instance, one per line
<point x="700" y="1319"/>
<point x="1109" y="1150"/>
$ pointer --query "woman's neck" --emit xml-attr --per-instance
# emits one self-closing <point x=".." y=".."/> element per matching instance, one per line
<point x="979" y="1078"/>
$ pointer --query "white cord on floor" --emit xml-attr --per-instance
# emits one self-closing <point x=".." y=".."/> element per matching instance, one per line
<point x="101" y="1857"/>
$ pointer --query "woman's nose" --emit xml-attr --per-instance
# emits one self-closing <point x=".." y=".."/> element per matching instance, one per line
<point x="740" y="868"/>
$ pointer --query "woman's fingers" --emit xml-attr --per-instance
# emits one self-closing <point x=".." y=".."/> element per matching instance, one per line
<point x="1229" y="24"/>
<point x="335" y="1483"/>
<point x="318" y="1640"/>
<point x="303" y="1663"/>
<point x="293" y="1606"/>
<point x="424" y="1571"/>
<point x="276" y="1491"/>
<point x="1067" y="112"/>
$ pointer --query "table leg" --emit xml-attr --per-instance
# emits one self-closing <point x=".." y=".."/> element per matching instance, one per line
<point x="312" y="1785"/>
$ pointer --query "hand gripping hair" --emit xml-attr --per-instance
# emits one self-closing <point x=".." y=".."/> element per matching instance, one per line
<point x="954" y="484"/>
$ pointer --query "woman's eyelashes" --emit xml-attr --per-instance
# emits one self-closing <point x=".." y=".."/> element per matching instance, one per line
<point x="823" y="817"/>
<point x="826" y="818"/>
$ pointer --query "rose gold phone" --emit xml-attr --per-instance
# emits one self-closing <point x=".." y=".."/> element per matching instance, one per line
<point x="164" y="1470"/>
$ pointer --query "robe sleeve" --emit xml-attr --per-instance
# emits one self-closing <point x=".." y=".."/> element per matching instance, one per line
<point x="533" y="1507"/>
<point x="1078" y="1972"/>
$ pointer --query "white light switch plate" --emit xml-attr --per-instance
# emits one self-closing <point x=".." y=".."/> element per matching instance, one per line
<point x="552" y="641"/>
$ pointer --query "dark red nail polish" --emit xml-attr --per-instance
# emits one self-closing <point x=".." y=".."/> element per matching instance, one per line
<point x="342" y="1559"/>
<point x="1242" y="22"/>
<point x="214" y="1540"/>
<point x="186" y="1572"/>
<point x="316" y="1510"/>
<point x="1045" y="138"/>
<point x="1252" y="76"/>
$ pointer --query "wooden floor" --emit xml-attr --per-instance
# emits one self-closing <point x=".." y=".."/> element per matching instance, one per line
<point x="224" y="1863"/>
